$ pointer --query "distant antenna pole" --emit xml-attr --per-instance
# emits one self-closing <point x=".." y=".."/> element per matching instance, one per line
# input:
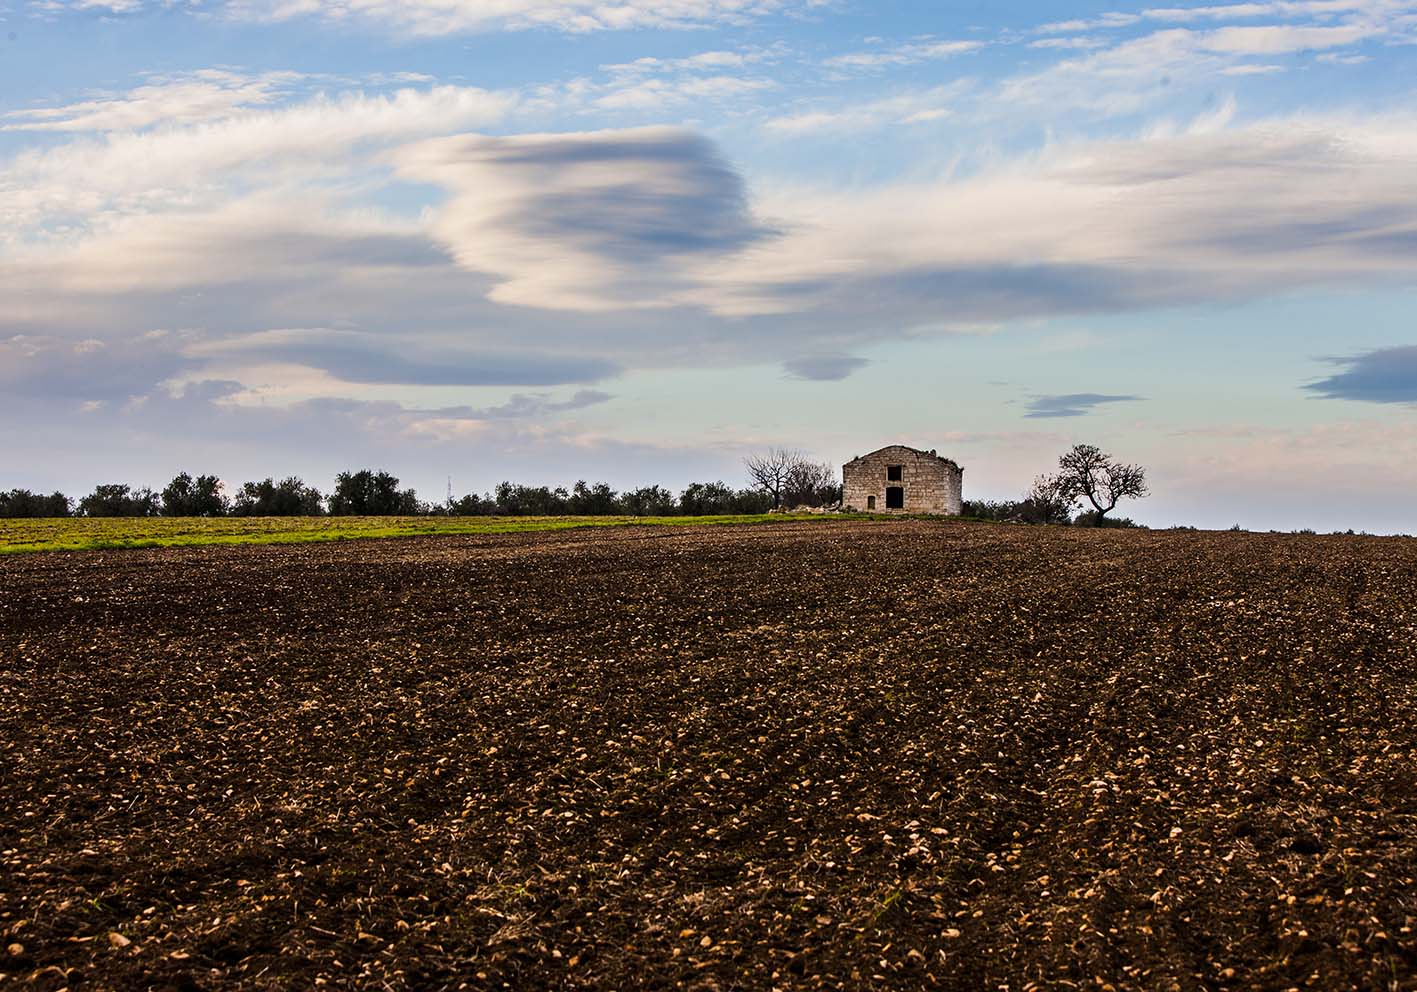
<point x="450" y="490"/>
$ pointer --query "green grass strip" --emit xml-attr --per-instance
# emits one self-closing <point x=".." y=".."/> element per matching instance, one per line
<point x="110" y="534"/>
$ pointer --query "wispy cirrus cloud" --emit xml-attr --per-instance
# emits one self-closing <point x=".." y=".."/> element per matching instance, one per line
<point x="1072" y="42"/>
<point x="1269" y="8"/>
<point x="916" y="51"/>
<point x="1126" y="70"/>
<point x="432" y="18"/>
<point x="1137" y="72"/>
<point x="714" y="61"/>
<point x="100" y="6"/>
<point x="655" y="93"/>
<point x="1115" y="19"/>
<point x="1253" y="70"/>
<point x="184" y="98"/>
<point x="911" y="107"/>
<point x="438" y="17"/>
<point x="652" y="83"/>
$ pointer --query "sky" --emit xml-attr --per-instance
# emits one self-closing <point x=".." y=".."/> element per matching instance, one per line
<point x="636" y="240"/>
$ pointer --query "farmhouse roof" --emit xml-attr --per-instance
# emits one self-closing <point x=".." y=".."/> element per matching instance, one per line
<point x="923" y="454"/>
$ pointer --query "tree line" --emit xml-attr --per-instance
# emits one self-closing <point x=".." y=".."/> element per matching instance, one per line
<point x="377" y="493"/>
<point x="779" y="479"/>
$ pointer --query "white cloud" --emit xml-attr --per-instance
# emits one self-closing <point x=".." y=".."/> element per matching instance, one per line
<point x="1274" y="8"/>
<point x="204" y="95"/>
<point x="651" y="84"/>
<point x="442" y="17"/>
<point x="1282" y="39"/>
<point x="1137" y="71"/>
<point x="110" y="6"/>
<point x="1116" y="80"/>
<point x="920" y="51"/>
<point x="650" y="94"/>
<point x="1211" y="213"/>
<point x="911" y="107"/>
<point x="712" y="61"/>
<point x="1252" y="70"/>
<point x="597" y="221"/>
<point x="651" y="244"/>
<point x="176" y="167"/>
<point x="1132" y="74"/>
<point x="1075" y="42"/>
<point x="438" y="17"/>
<point x="1115" y="19"/>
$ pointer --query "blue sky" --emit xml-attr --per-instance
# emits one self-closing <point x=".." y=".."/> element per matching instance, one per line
<point x="634" y="241"/>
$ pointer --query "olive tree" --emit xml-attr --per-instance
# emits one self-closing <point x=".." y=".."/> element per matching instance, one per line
<point x="372" y="494"/>
<point x="118" y="499"/>
<point x="290" y="497"/>
<point x="1088" y="472"/>
<point x="185" y="496"/>
<point x="23" y="503"/>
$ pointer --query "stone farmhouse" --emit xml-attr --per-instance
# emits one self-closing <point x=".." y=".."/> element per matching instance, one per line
<point x="899" y="479"/>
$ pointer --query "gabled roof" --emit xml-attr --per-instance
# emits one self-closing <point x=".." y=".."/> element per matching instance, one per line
<point x="905" y="447"/>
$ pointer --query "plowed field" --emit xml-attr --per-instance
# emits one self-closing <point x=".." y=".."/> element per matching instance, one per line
<point x="849" y="754"/>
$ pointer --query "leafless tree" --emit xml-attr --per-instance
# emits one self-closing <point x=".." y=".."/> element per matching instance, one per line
<point x="770" y="471"/>
<point x="792" y="479"/>
<point x="1089" y="472"/>
<point x="811" y="484"/>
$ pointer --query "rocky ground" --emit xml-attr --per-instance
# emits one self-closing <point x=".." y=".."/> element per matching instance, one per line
<point x="835" y="755"/>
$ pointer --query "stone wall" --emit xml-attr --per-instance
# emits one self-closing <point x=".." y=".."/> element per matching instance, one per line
<point x="932" y="484"/>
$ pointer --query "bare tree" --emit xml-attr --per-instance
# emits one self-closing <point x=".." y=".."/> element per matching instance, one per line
<point x="1089" y="472"/>
<point x="771" y="471"/>
<point x="811" y="484"/>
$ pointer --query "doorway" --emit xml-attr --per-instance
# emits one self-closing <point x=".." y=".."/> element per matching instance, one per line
<point x="895" y="498"/>
<point x="870" y="502"/>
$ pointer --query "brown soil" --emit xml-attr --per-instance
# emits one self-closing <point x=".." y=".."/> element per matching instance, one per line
<point x="848" y="755"/>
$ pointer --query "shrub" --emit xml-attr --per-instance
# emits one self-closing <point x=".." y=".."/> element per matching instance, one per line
<point x="1001" y="511"/>
<point x="1092" y="519"/>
